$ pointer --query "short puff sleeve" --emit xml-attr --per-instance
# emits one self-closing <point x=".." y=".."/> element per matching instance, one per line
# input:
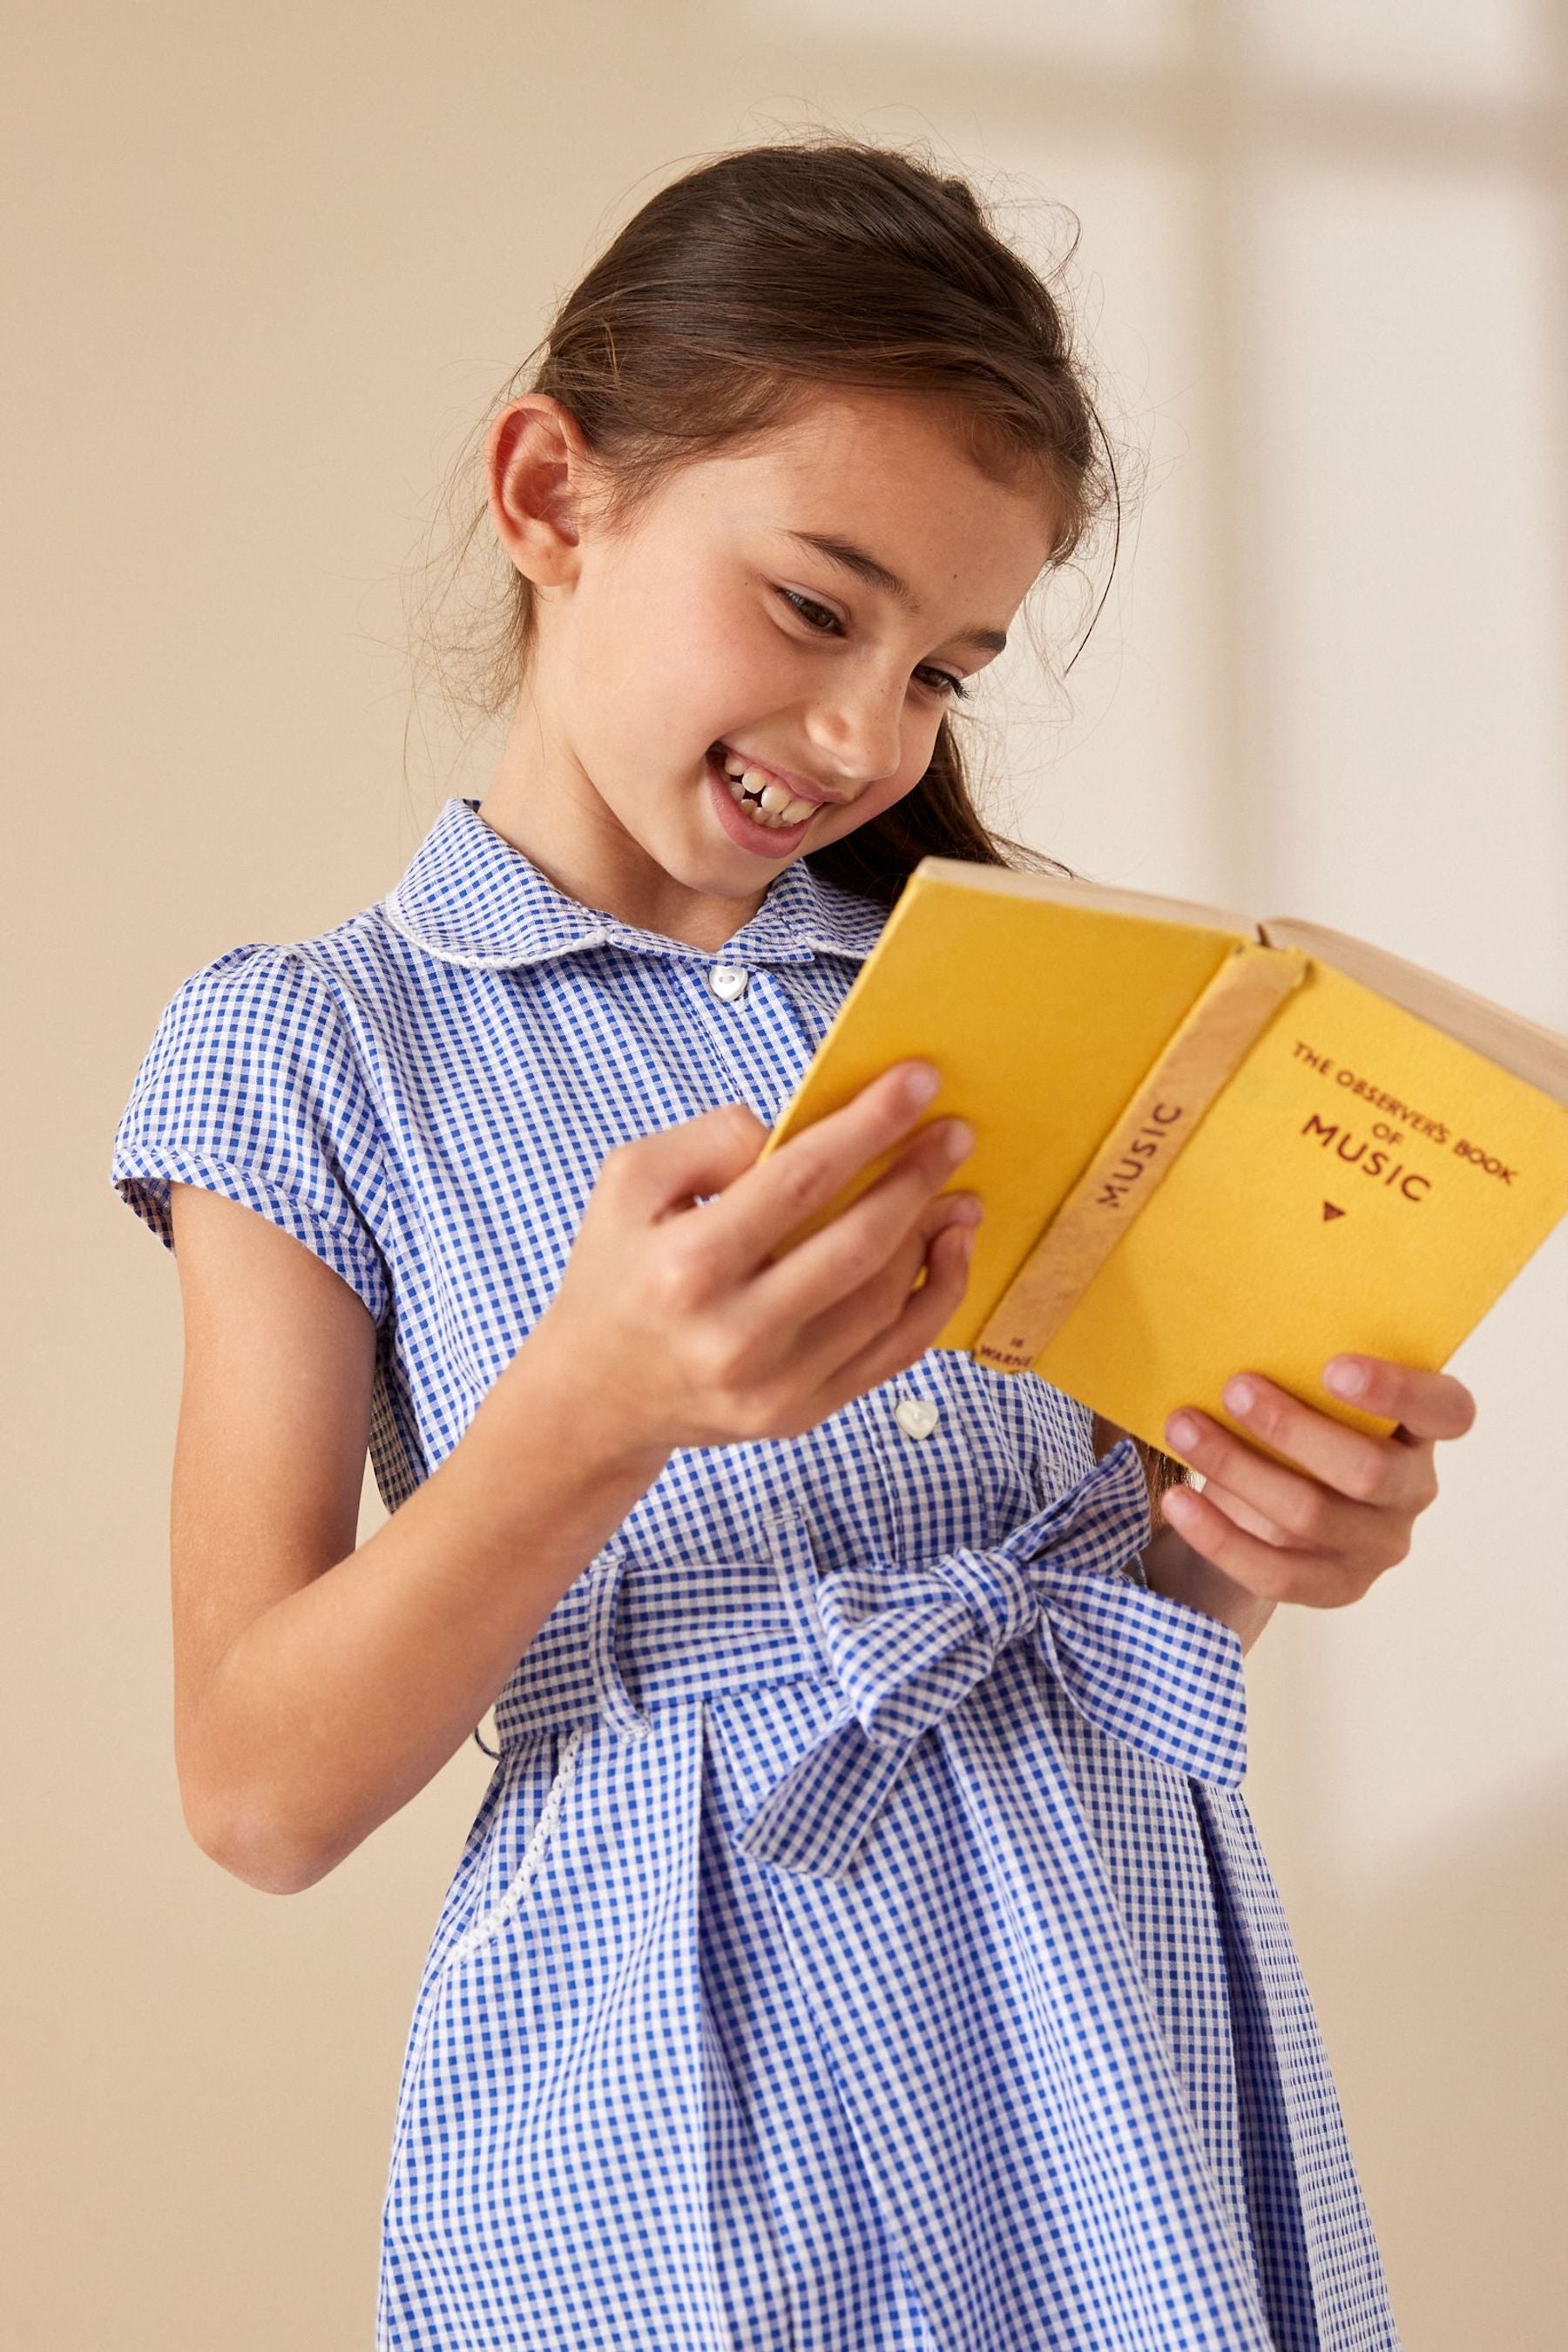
<point x="251" y="1088"/>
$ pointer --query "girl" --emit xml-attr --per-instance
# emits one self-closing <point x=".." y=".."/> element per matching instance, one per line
<point x="863" y="1942"/>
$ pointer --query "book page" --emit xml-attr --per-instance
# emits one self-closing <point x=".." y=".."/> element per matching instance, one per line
<point x="1094" y="896"/>
<point x="1538" y="1056"/>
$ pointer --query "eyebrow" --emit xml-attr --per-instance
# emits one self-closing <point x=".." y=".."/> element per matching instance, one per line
<point x="850" y="558"/>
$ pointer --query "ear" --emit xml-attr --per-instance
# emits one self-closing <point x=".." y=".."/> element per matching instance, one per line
<point x="537" y="467"/>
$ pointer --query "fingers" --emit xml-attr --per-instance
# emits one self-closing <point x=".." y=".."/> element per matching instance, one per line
<point x="863" y="1316"/>
<point x="1432" y="1405"/>
<point x="770" y="1200"/>
<point x="1253" y="1561"/>
<point x="1346" y="1462"/>
<point x="900" y="1209"/>
<point x="1280" y="1504"/>
<point x="903" y="1340"/>
<point x="1247" y="1515"/>
<point x="655" y="1173"/>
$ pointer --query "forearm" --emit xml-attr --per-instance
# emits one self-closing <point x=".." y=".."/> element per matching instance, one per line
<point x="338" y="1703"/>
<point x="1174" y="1567"/>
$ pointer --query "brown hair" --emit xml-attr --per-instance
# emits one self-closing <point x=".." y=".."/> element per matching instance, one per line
<point x="757" y="279"/>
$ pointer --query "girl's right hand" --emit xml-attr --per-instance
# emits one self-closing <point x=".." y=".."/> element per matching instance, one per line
<point x="671" y="1315"/>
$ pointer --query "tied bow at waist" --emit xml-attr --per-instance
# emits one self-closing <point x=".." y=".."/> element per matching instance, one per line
<point x="907" y="1645"/>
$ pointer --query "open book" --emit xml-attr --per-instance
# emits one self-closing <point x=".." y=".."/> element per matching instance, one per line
<point x="1203" y="1144"/>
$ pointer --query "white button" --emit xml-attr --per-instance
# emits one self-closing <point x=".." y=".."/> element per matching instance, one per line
<point x="727" y="981"/>
<point x="916" y="1416"/>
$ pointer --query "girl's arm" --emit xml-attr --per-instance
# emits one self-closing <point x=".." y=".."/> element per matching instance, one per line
<point x="1172" y="1566"/>
<point x="317" y="1687"/>
<point x="1322" y="1534"/>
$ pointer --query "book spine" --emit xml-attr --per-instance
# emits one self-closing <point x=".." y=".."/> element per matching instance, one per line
<point x="1218" y="1033"/>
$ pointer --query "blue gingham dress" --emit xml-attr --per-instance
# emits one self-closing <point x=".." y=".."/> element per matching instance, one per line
<point x="863" y="1943"/>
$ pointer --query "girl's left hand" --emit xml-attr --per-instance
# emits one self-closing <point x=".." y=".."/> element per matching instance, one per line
<point x="1322" y="1534"/>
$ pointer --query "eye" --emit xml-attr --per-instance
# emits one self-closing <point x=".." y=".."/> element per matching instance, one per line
<point x="805" y="606"/>
<point x="937" y="681"/>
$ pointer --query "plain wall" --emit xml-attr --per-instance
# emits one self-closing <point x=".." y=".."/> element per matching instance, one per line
<point x="267" y="270"/>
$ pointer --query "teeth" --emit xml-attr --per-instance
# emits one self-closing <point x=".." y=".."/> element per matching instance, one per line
<point x="775" y="806"/>
<point x="791" y="814"/>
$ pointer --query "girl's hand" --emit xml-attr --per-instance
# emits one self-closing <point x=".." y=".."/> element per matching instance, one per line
<point x="1322" y="1534"/>
<point x="675" y="1325"/>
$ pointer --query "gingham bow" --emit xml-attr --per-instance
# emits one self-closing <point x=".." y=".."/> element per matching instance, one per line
<point x="906" y="1646"/>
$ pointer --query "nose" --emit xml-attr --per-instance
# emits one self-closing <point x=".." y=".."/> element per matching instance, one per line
<point x="856" y="726"/>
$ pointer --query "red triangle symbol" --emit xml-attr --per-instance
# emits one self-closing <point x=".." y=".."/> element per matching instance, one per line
<point x="1330" y="1211"/>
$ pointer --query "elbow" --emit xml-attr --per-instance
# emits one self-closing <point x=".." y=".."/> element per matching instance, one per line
<point x="254" y="1842"/>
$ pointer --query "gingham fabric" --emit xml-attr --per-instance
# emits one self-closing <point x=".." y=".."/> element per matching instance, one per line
<point x="863" y="1943"/>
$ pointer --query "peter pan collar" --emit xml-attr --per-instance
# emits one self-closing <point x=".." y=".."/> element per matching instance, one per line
<point x="471" y="896"/>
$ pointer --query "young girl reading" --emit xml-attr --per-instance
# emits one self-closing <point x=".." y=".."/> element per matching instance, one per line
<point x="863" y="1942"/>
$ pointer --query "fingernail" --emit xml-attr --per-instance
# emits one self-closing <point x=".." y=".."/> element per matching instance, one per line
<point x="965" y="1209"/>
<point x="1182" y="1432"/>
<point x="921" y="1083"/>
<point x="958" y="1139"/>
<point x="1344" y="1376"/>
<point x="965" y="1243"/>
<point x="1240" y="1395"/>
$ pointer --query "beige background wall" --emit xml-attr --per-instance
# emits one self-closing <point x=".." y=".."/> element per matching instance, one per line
<point x="266" y="270"/>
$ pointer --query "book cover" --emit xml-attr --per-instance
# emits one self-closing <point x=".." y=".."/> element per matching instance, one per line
<point x="1201" y="1144"/>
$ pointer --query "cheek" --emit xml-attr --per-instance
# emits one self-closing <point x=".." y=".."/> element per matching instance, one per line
<point x="916" y="759"/>
<point x="911" y="768"/>
<point x="682" y="662"/>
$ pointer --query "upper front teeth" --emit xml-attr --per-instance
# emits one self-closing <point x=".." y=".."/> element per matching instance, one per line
<point x="776" y="805"/>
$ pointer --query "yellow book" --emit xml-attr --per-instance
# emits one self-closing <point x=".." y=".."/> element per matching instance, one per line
<point x="1201" y="1143"/>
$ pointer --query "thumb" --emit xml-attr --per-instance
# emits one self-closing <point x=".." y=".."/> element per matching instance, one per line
<point x="699" y="1156"/>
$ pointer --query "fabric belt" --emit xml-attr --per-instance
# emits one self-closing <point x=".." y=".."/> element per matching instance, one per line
<point x="902" y="1647"/>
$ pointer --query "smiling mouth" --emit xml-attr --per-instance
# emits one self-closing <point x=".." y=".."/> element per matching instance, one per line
<point x="765" y="801"/>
